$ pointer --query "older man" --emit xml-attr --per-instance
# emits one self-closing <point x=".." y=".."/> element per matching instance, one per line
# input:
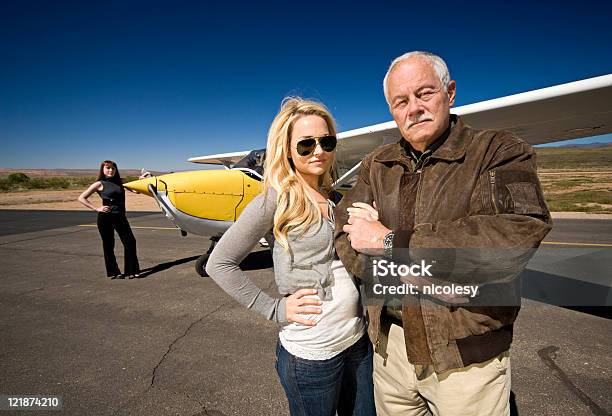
<point x="448" y="186"/>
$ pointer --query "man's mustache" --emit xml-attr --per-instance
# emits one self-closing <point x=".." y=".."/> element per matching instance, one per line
<point x="422" y="117"/>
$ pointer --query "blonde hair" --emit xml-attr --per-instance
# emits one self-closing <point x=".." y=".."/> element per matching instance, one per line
<point x="296" y="209"/>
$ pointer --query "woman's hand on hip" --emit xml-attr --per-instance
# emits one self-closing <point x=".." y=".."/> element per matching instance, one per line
<point x="103" y="209"/>
<point x="297" y="305"/>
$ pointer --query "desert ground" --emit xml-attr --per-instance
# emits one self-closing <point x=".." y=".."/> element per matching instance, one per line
<point x="66" y="199"/>
<point x="577" y="183"/>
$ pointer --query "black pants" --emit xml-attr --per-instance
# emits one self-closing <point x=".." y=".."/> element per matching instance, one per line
<point x="108" y="223"/>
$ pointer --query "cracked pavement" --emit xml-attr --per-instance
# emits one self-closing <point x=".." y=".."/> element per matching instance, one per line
<point x="170" y="343"/>
<point x="173" y="343"/>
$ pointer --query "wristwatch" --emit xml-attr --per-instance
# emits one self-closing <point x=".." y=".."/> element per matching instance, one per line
<point x="388" y="244"/>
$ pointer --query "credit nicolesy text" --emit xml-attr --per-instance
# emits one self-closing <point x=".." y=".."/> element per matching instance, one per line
<point x="383" y="268"/>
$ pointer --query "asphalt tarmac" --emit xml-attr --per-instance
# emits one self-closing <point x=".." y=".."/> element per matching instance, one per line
<point x="173" y="343"/>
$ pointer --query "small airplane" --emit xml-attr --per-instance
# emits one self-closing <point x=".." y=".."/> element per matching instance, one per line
<point x="207" y="202"/>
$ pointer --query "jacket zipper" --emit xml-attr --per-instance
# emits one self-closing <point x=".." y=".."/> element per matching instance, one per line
<point x="492" y="183"/>
<point x="419" y="186"/>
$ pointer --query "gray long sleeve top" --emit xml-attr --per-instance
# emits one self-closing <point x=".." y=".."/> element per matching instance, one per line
<point x="306" y="265"/>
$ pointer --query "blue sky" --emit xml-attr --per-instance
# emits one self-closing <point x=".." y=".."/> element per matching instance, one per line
<point x="149" y="83"/>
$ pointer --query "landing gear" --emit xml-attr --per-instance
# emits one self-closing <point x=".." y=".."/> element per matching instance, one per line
<point x="200" y="265"/>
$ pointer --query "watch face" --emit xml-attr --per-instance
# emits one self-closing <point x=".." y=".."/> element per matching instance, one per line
<point x="388" y="241"/>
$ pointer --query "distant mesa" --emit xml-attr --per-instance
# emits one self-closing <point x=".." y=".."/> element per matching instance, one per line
<point x="585" y="145"/>
<point x="72" y="173"/>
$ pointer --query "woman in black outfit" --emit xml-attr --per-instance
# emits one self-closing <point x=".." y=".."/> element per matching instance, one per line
<point x="111" y="218"/>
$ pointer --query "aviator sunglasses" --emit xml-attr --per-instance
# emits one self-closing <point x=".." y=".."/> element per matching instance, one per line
<point x="307" y="145"/>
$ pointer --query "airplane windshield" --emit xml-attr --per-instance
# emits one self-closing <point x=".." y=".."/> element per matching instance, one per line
<point x="254" y="161"/>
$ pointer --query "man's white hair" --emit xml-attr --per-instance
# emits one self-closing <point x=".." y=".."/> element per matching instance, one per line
<point x="436" y="62"/>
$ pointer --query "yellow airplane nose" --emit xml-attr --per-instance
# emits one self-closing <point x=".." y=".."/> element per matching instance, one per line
<point x="141" y="185"/>
<point x="217" y="195"/>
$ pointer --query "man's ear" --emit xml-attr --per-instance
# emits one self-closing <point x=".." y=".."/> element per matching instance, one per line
<point x="451" y="91"/>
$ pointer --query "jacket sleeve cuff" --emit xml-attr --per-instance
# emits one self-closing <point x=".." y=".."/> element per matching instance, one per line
<point x="401" y="242"/>
<point x="402" y="238"/>
<point x="281" y="311"/>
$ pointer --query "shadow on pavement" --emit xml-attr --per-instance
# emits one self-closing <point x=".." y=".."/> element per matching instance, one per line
<point x="513" y="407"/>
<point x="144" y="273"/>
<point x="255" y="261"/>
<point x="568" y="293"/>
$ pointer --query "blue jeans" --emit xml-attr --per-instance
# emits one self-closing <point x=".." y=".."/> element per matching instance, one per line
<point x="341" y="384"/>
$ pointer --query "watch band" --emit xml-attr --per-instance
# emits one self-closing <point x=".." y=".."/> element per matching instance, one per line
<point x="388" y="244"/>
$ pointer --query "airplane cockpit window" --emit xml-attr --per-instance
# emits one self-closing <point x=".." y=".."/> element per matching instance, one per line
<point x="252" y="164"/>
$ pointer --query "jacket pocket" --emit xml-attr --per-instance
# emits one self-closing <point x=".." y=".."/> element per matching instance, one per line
<point x="524" y="197"/>
<point x="466" y="323"/>
<point x="516" y="192"/>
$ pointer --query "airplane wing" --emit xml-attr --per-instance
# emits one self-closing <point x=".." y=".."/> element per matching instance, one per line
<point x="567" y="111"/>
<point x="562" y="112"/>
<point x="225" y="159"/>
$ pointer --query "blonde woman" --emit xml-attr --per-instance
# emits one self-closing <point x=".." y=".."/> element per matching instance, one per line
<point x="324" y="358"/>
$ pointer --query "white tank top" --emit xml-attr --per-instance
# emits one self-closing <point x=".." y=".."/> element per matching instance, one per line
<point x="340" y="325"/>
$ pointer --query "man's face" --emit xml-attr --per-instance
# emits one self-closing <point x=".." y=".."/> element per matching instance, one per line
<point x="418" y="102"/>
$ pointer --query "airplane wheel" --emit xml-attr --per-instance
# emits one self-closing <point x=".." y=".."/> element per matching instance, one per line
<point x="200" y="265"/>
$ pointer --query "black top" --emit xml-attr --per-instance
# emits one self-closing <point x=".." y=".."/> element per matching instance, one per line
<point x="113" y="196"/>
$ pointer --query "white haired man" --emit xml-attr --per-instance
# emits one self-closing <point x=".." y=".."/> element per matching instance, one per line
<point x="447" y="186"/>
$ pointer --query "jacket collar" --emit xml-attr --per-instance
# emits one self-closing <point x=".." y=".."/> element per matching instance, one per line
<point x="453" y="148"/>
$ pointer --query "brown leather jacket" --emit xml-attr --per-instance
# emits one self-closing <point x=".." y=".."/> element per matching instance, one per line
<point x="479" y="189"/>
